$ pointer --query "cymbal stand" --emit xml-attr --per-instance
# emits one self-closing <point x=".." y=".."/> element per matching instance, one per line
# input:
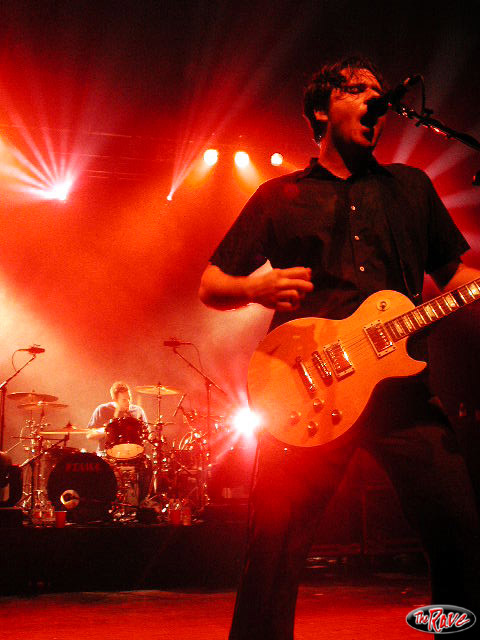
<point x="158" y="442"/>
<point x="209" y="383"/>
<point x="3" y="393"/>
<point x="37" y="496"/>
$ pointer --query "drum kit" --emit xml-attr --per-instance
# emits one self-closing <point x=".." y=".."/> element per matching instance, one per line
<point x="137" y="477"/>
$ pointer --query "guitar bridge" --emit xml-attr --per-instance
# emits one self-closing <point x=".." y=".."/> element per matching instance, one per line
<point x="305" y="376"/>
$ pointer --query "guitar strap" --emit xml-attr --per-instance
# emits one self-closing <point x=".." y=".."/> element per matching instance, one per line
<point x="412" y="280"/>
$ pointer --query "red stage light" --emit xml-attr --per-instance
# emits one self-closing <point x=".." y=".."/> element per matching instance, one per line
<point x="210" y="157"/>
<point x="242" y="159"/>
<point x="276" y="159"/>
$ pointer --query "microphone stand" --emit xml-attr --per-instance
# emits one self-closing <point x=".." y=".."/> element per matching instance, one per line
<point x="209" y="383"/>
<point x="425" y="119"/>
<point x="3" y="393"/>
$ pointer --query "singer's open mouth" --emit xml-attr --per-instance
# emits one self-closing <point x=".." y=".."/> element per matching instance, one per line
<point x="369" y="120"/>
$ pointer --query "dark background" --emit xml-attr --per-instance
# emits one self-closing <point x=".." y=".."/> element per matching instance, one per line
<point x="125" y="96"/>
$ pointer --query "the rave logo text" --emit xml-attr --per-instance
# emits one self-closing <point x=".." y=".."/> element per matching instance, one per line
<point x="441" y="618"/>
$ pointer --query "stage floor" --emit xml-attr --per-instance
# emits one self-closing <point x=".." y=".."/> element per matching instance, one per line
<point x="326" y="610"/>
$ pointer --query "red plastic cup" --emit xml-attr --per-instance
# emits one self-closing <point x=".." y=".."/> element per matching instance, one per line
<point x="60" y="519"/>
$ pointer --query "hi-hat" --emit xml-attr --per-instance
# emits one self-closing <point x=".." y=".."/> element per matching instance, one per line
<point x="157" y="390"/>
<point x="32" y="396"/>
<point x="42" y="405"/>
<point x="68" y="430"/>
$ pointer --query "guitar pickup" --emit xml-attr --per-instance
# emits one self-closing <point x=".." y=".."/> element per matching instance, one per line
<point x="338" y="358"/>
<point x="379" y="338"/>
<point x="305" y="376"/>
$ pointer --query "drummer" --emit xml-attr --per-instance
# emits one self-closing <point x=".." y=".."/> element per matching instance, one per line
<point x="120" y="407"/>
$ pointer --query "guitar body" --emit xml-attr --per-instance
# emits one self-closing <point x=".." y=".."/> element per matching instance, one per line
<point x="306" y="403"/>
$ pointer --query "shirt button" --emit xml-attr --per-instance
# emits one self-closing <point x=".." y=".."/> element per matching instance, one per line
<point x="353" y="207"/>
<point x="362" y="268"/>
<point x="356" y="237"/>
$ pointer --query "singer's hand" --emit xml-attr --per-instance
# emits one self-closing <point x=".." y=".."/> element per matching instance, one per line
<point x="281" y="289"/>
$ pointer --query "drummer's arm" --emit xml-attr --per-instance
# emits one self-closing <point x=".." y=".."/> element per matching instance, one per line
<point x="95" y="434"/>
<point x="97" y="430"/>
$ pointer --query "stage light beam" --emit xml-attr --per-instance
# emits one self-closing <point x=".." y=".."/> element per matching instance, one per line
<point x="242" y="159"/>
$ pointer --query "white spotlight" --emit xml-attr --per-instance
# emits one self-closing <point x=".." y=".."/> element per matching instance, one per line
<point x="210" y="157"/>
<point x="242" y="159"/>
<point x="245" y="421"/>
<point x="276" y="159"/>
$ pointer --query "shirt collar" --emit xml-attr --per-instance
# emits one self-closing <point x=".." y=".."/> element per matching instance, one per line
<point x="316" y="170"/>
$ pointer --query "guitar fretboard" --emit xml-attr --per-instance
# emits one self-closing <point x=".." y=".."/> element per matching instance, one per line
<point x="429" y="312"/>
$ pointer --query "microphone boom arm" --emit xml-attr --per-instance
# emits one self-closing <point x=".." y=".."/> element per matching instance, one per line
<point x="425" y="119"/>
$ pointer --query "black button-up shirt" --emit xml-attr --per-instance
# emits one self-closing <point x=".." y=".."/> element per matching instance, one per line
<point x="380" y="229"/>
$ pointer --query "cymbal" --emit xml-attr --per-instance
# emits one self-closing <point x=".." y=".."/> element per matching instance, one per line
<point x="42" y="405"/>
<point x="68" y="430"/>
<point x="32" y="396"/>
<point x="158" y="390"/>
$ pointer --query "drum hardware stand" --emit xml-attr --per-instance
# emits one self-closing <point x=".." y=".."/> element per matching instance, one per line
<point x="37" y="496"/>
<point x="3" y="393"/>
<point x="209" y="383"/>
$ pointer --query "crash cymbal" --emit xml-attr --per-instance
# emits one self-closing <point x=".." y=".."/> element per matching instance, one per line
<point x="158" y="390"/>
<point x="42" y="405"/>
<point x="32" y="396"/>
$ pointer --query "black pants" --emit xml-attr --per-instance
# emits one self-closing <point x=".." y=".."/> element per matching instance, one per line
<point x="411" y="438"/>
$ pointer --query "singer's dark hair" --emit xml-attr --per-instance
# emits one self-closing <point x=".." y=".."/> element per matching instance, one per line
<point x="118" y="387"/>
<point x="316" y="95"/>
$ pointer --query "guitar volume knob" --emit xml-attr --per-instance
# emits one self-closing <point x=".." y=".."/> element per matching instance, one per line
<point x="336" y="415"/>
<point x="318" y="404"/>
<point x="294" y="417"/>
<point x="312" y="427"/>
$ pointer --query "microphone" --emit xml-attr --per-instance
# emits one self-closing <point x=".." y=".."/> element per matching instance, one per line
<point x="378" y="106"/>
<point x="34" y="349"/>
<point x="173" y="342"/>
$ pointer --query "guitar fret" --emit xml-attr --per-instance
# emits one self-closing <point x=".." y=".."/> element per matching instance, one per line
<point x="439" y="308"/>
<point x="399" y="327"/>
<point x="424" y="314"/>
<point x="452" y="304"/>
<point x="408" y="323"/>
<point x="430" y="311"/>
<point x="419" y="318"/>
<point x="443" y="306"/>
<point x="462" y="293"/>
<point x="474" y="290"/>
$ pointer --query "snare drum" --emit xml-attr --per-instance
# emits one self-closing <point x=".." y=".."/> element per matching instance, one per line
<point x="124" y="438"/>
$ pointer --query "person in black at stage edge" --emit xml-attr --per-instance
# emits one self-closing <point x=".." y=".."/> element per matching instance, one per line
<point x="336" y="232"/>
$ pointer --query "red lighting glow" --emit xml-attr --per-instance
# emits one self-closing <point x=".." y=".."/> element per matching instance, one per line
<point x="242" y="159"/>
<point x="245" y="422"/>
<point x="210" y="157"/>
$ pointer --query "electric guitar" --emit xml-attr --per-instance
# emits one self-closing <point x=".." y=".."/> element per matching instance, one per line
<point x="310" y="379"/>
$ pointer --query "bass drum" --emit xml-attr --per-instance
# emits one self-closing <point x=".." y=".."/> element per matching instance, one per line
<point x="84" y="485"/>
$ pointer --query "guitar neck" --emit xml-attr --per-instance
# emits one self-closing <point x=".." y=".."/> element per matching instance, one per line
<point x="429" y="312"/>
